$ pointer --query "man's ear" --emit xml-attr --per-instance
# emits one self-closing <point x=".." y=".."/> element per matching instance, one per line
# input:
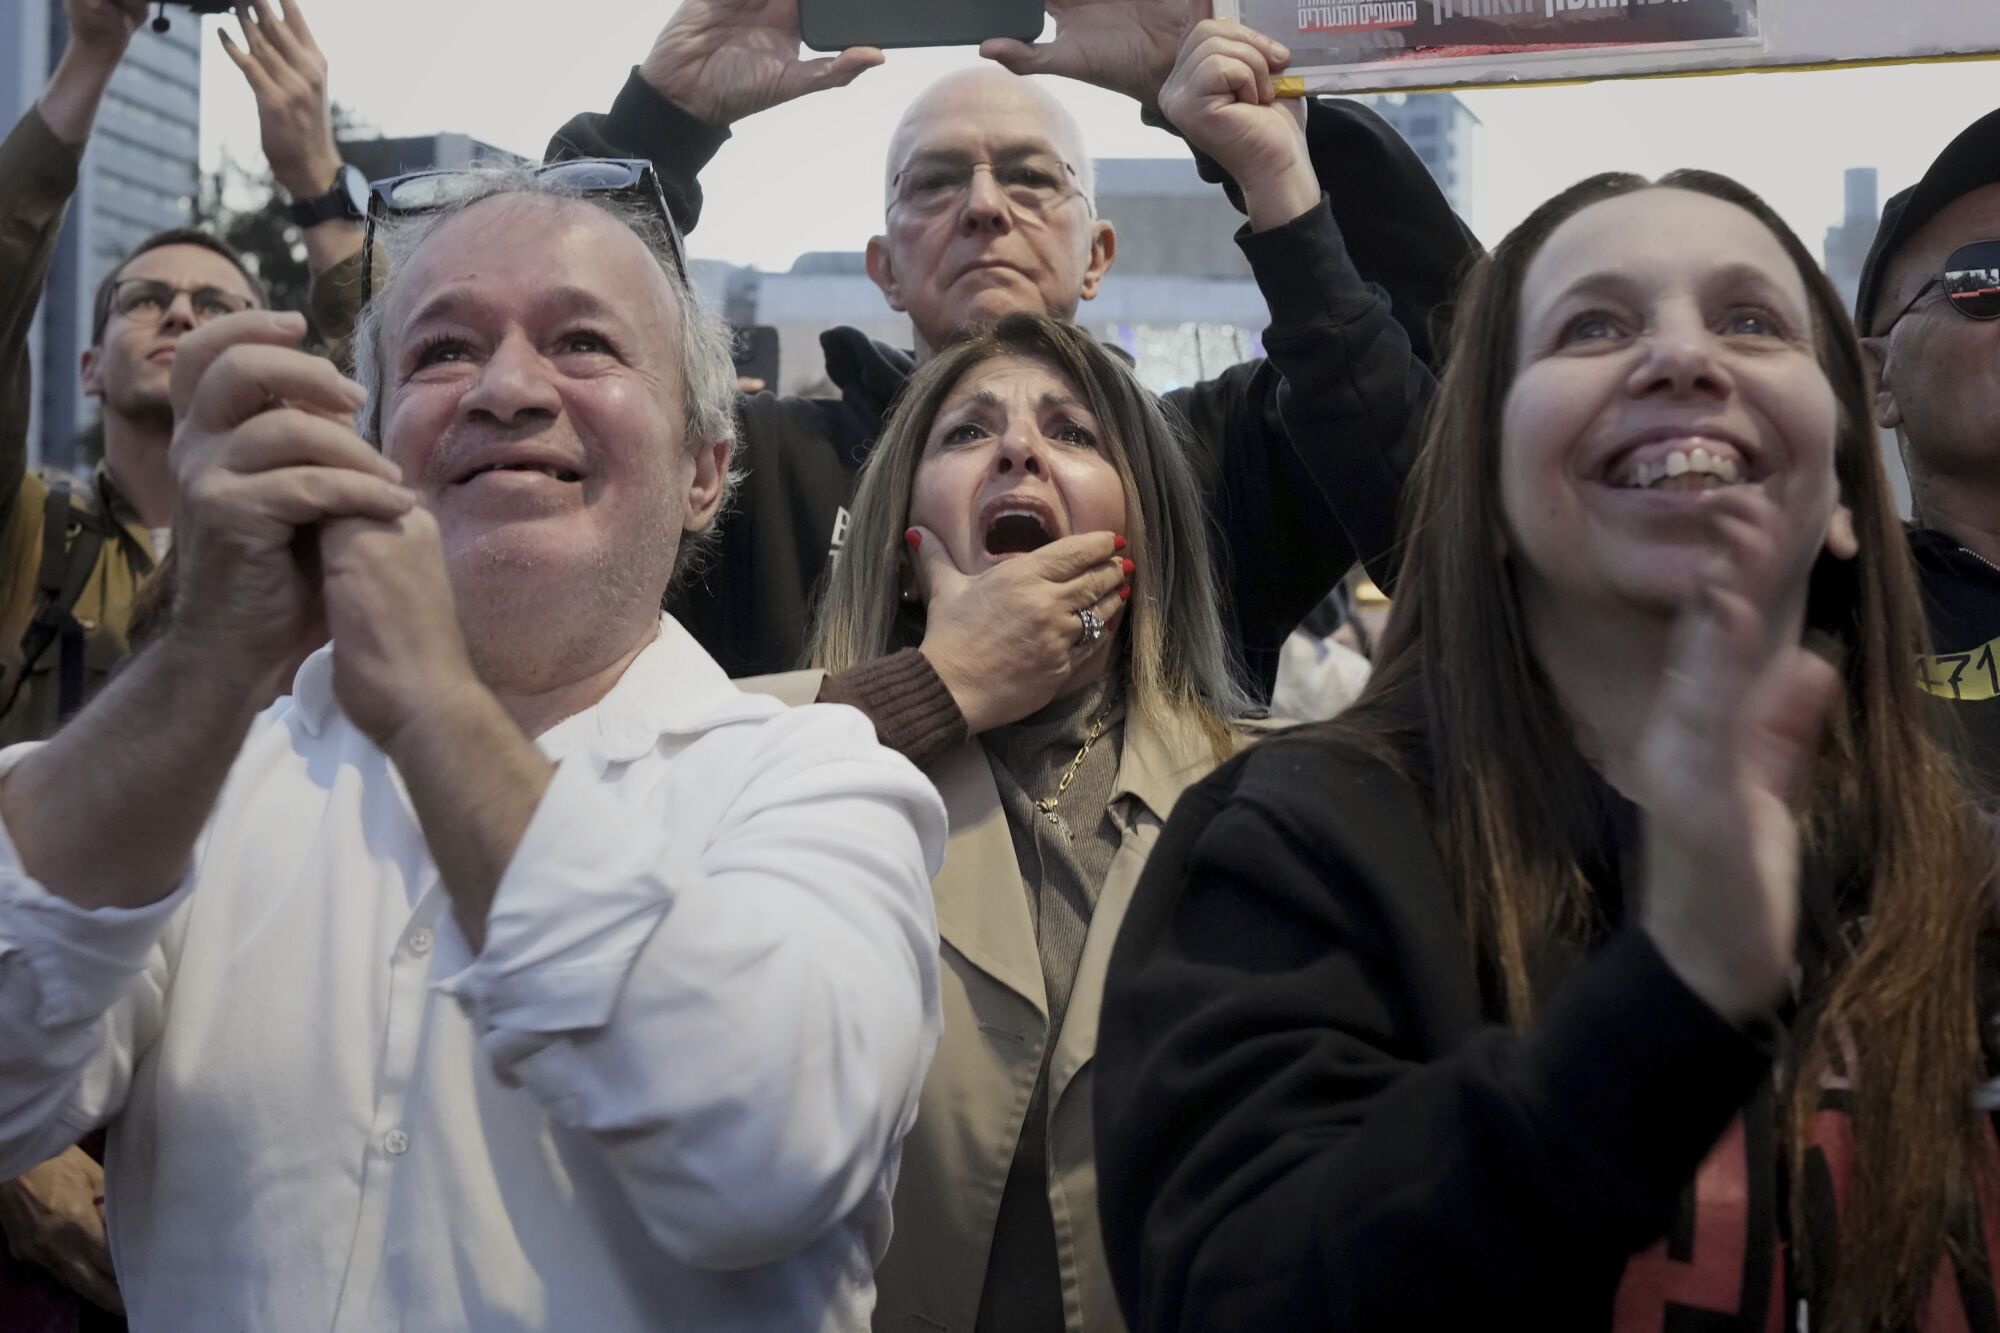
<point x="882" y="272"/>
<point x="1841" y="543"/>
<point x="1875" y="355"/>
<point x="706" y="485"/>
<point x="1103" y="250"/>
<point x="93" y="373"/>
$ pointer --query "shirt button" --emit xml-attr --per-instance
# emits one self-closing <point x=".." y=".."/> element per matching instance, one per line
<point x="421" y="941"/>
<point x="395" y="1143"/>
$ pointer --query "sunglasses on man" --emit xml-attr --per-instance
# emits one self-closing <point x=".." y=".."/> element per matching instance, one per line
<point x="421" y="192"/>
<point x="1970" y="279"/>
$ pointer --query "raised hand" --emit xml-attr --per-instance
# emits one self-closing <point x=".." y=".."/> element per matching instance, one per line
<point x="1726" y="756"/>
<point x="264" y="449"/>
<point x="99" y="32"/>
<point x="1127" y="46"/>
<point x="1223" y="98"/>
<point x="397" y="649"/>
<point x="103" y="26"/>
<point x="1005" y="641"/>
<point x="287" y="74"/>
<point x="722" y="60"/>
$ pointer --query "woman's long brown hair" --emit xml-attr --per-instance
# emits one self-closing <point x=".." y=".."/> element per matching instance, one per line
<point x="1458" y="693"/>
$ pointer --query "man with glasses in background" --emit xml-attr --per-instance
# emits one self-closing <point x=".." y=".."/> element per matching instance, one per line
<point x="989" y="209"/>
<point x="1928" y="308"/>
<point x="71" y="556"/>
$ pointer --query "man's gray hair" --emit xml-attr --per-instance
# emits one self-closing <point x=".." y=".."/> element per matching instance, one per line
<point x="708" y="370"/>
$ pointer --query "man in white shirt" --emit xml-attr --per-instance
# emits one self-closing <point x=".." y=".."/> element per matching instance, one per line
<point x="516" y="972"/>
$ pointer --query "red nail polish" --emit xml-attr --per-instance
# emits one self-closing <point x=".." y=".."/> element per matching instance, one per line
<point x="1129" y="566"/>
<point x="1117" y="543"/>
<point x="1125" y="593"/>
<point x="913" y="539"/>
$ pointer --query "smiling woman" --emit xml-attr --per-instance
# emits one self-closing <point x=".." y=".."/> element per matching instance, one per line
<point x="1485" y="977"/>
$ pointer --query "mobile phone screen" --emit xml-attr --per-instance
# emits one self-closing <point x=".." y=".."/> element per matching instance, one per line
<point x="835" y="25"/>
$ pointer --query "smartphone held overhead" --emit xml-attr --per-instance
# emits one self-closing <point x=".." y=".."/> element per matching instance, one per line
<point x="835" y="25"/>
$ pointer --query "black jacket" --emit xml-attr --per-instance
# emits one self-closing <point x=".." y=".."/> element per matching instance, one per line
<point x="1289" y="520"/>
<point x="1308" y="1115"/>
<point x="1961" y="595"/>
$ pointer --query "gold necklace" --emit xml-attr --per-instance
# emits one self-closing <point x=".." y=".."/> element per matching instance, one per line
<point x="1048" y="804"/>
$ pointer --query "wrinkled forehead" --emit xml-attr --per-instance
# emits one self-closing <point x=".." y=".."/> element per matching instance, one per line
<point x="984" y="115"/>
<point x="514" y="252"/>
<point x="1009" y="377"/>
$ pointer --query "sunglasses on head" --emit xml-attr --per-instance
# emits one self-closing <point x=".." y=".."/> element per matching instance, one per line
<point x="422" y="192"/>
<point x="1970" y="280"/>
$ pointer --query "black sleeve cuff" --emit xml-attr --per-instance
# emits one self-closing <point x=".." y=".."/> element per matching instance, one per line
<point x="1304" y="271"/>
<point x="642" y="123"/>
<point x="1641" y="1071"/>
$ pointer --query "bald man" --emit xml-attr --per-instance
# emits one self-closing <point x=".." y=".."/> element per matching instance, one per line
<point x="1291" y="520"/>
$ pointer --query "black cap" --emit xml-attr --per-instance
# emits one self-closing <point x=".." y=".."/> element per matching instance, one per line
<point x="1967" y="162"/>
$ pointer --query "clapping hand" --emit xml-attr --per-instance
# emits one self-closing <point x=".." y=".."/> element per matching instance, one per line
<point x="1725" y="758"/>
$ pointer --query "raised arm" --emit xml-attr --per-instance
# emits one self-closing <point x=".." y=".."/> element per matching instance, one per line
<point x="38" y="171"/>
<point x="105" y="815"/>
<point x="98" y="827"/>
<point x="729" y="984"/>
<point x="716" y="62"/>
<point x="1398" y="225"/>
<point x="1303" y="453"/>
<point x="287" y="74"/>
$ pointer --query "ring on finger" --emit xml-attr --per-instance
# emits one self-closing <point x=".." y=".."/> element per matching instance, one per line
<point x="1092" y="630"/>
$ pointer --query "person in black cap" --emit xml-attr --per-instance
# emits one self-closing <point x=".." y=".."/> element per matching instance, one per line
<point x="1928" y="309"/>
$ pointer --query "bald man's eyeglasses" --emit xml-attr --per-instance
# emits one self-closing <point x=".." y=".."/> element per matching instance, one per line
<point x="1971" y="282"/>
<point x="1034" y="183"/>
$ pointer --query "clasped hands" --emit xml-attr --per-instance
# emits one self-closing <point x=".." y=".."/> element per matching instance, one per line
<point x="290" y="529"/>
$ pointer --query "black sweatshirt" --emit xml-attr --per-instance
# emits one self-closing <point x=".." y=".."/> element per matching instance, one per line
<point x="1288" y="519"/>
<point x="1961" y="595"/>
<point x="1309" y="1117"/>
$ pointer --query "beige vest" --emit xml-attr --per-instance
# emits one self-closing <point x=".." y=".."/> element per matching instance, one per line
<point x="103" y="610"/>
<point x="995" y="1027"/>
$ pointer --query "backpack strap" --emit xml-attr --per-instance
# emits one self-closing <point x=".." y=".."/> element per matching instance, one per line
<point x="69" y="553"/>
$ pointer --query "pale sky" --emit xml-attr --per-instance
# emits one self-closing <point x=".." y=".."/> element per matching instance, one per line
<point x="807" y="176"/>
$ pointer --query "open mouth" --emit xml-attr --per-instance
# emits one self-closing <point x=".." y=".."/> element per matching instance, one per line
<point x="558" y="473"/>
<point x="1017" y="531"/>
<point x="1696" y="469"/>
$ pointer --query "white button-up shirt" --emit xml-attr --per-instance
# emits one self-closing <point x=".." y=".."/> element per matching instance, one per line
<point x="669" y="1093"/>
